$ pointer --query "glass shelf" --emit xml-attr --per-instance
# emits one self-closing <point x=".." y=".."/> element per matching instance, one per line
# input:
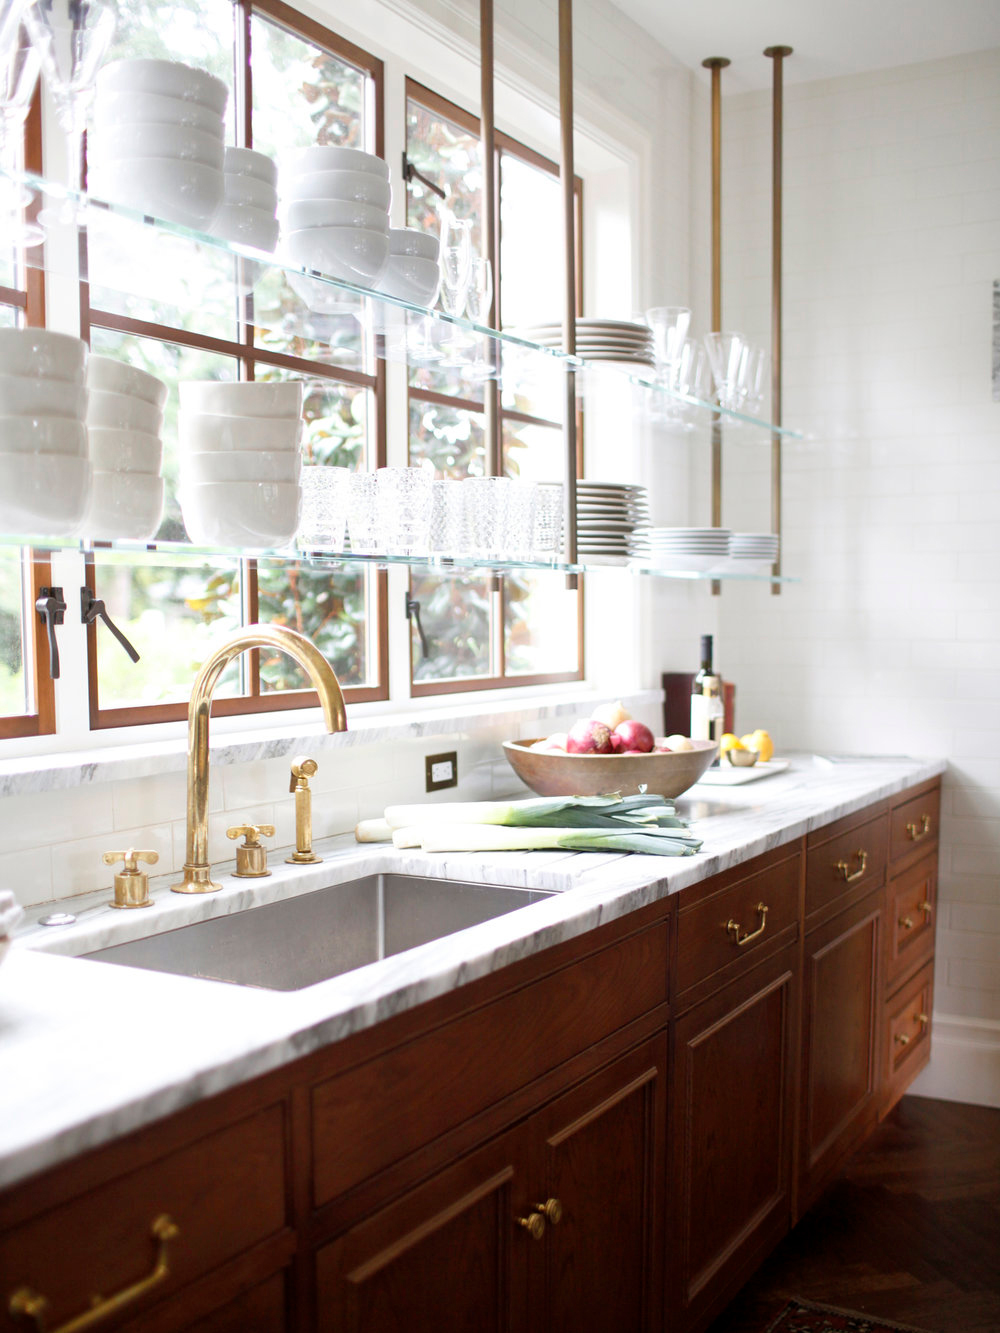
<point x="149" y="270"/>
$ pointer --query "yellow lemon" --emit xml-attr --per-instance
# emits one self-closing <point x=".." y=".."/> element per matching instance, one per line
<point x="762" y="743"/>
<point x="730" y="742"/>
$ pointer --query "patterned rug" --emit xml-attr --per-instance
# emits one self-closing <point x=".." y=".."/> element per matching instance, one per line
<point x="807" y="1317"/>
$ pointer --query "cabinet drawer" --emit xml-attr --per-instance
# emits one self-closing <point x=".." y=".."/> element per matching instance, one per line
<point x="915" y="824"/>
<point x="374" y="1115"/>
<point x="224" y="1193"/>
<point x="907" y="1034"/>
<point x="910" y="928"/>
<point x="732" y="927"/>
<point x="845" y="866"/>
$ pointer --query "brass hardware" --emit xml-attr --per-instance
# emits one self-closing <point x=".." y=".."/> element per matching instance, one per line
<point x="131" y="883"/>
<point x="551" y="1209"/>
<point x="922" y="1019"/>
<point x="28" y="1305"/>
<point x="843" y="868"/>
<point x="777" y="54"/>
<point x="927" y="908"/>
<point x="733" y="927"/>
<point x="487" y="138"/>
<point x="917" y="831"/>
<point x="567" y="185"/>
<point x="716" y="64"/>
<point x="902" y="1039"/>
<point x="251" y="857"/>
<point x="303" y="769"/>
<point x="196" y="874"/>
<point x="534" y="1225"/>
<point x="906" y="922"/>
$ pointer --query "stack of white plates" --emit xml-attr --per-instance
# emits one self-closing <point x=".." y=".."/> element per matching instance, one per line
<point x="336" y="212"/>
<point x="609" y="516"/>
<point x="599" y="339"/>
<point x="691" y="550"/>
<point x="753" y="552"/>
<point x="125" y="435"/>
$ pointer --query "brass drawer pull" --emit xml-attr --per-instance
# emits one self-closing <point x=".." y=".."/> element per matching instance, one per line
<point x="917" y="831"/>
<point x="28" y="1305"/>
<point x="923" y="1019"/>
<point x="927" y="909"/>
<point x="843" y="868"/>
<point x="534" y="1225"/>
<point x="552" y="1209"/>
<point x="733" y="927"/>
<point x="902" y="1039"/>
<point x="906" y="922"/>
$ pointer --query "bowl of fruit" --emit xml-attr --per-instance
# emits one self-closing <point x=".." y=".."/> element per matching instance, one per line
<point x="609" y="752"/>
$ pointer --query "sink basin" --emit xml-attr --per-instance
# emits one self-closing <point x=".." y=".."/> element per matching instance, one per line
<point x="301" y="940"/>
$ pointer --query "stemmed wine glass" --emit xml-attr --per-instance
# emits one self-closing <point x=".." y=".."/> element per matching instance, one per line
<point x="725" y="355"/>
<point x="18" y="76"/>
<point x="72" y="38"/>
<point x="478" y="305"/>
<point x="456" y="269"/>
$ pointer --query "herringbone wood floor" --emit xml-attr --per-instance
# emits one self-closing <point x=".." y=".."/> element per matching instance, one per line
<point x="911" y="1231"/>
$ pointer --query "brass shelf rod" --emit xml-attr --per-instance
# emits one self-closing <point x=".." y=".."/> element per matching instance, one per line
<point x="777" y="54"/>
<point x="716" y="64"/>
<point x="566" y="178"/>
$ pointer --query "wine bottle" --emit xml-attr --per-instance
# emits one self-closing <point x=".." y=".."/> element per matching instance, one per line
<point x="706" y="699"/>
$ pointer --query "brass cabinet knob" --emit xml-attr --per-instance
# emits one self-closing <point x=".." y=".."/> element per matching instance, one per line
<point x="131" y="883"/>
<point x="534" y="1225"/>
<point x="251" y="857"/>
<point x="551" y="1209"/>
<point x="902" y="1039"/>
<point x="906" y="922"/>
<point x="922" y="1019"/>
<point x="927" y="909"/>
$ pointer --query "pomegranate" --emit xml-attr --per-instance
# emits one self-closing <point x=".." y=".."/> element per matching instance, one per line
<point x="588" y="737"/>
<point x="635" y="735"/>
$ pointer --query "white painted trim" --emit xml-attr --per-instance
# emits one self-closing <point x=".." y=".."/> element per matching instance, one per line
<point x="965" y="1062"/>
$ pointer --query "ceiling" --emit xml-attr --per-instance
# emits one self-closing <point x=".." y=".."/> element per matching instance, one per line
<point x="829" y="37"/>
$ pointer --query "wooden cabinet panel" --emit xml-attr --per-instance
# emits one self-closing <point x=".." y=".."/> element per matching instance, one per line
<point x="841" y="1004"/>
<point x="908" y="1020"/>
<point x="440" y="1079"/>
<point x="261" y="1309"/>
<point x="224" y="1192"/>
<point x="847" y="865"/>
<point x="604" y="1162"/>
<point x="910" y="910"/>
<point x="915" y="824"/>
<point x="731" y="1123"/>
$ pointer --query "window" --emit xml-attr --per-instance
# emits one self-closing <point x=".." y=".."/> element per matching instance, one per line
<point x="292" y="83"/>
<point x="524" y="628"/>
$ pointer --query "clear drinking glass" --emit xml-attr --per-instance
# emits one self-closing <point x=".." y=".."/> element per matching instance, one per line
<point x="362" y="526"/>
<point x="403" y="509"/>
<point x="324" y="506"/>
<point x="547" y="521"/>
<point x="489" y="502"/>
<point x="18" y="75"/>
<point x="725" y="352"/>
<point x="520" y="520"/>
<point x="753" y="374"/>
<point x="670" y="325"/>
<point x="449" y="529"/>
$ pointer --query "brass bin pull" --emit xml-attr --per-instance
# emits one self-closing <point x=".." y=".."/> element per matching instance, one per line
<point x="28" y="1305"/>
<point x="733" y="927"/>
<point x="917" y="831"/>
<point x="843" y="868"/>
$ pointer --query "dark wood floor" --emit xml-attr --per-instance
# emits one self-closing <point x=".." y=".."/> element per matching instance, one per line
<point x="911" y="1231"/>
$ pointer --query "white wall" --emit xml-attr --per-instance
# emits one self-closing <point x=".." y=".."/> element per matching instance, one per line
<point x="891" y="643"/>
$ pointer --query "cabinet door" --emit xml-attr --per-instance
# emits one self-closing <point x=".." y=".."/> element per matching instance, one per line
<point x="842" y="996"/>
<point x="731" y="1106"/>
<point x="602" y="1163"/>
<point x="448" y="1256"/>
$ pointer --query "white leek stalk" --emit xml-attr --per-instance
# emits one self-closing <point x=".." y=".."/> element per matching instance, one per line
<point x="438" y="837"/>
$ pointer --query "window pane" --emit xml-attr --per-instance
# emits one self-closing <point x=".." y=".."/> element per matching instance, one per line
<point x="8" y="317"/>
<point x="540" y="619"/>
<point x="457" y="616"/>
<point x="175" y="615"/>
<point x="532" y="452"/>
<point x="449" y="437"/>
<point x="15" y="699"/>
<point x="332" y="609"/>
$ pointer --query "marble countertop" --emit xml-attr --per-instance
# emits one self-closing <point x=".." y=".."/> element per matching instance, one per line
<point x="90" y="1051"/>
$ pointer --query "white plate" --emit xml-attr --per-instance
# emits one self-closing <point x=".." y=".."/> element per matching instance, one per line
<point x="728" y="776"/>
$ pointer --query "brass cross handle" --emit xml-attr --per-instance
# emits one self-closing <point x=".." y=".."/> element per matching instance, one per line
<point x="733" y="928"/>
<point x="251" y="832"/>
<point x="843" y="868"/>
<point x="916" y="831"/>
<point x="251" y="856"/>
<point x="130" y="856"/>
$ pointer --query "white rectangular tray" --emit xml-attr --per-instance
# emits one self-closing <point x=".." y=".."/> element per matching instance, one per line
<point x="728" y="776"/>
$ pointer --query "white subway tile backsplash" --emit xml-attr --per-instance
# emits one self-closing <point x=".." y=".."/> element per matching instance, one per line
<point x="27" y="821"/>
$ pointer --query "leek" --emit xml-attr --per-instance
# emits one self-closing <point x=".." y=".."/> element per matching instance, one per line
<point x="540" y="812"/>
<point x="441" y="837"/>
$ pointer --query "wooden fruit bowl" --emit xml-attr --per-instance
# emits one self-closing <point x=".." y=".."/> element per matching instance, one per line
<point x="550" y="773"/>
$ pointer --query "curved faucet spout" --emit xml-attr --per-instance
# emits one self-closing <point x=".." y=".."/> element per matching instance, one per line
<point x="196" y="876"/>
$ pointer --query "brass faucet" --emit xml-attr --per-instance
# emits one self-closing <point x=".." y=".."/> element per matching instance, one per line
<point x="196" y="874"/>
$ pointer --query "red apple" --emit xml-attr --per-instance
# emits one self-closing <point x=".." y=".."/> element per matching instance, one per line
<point x="636" y="735"/>
<point x="588" y="737"/>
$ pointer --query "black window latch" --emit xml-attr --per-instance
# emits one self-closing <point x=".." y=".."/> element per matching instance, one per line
<point x="92" y="609"/>
<point x="410" y="173"/>
<point x="413" y="613"/>
<point x="51" y="606"/>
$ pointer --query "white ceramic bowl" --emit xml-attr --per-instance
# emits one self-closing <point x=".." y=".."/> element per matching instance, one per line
<point x="328" y="157"/>
<point x="43" y="494"/>
<point x="43" y="435"/>
<point x="42" y="355"/>
<point x="125" y="451"/>
<point x="115" y="143"/>
<point x="129" y="108"/>
<point x="184" y="192"/>
<point x="242" y="465"/>
<point x="413" y="241"/>
<point x="247" y="398"/>
<point x="350" y="253"/>
<point x="360" y="186"/>
<point x="412" y="279"/>
<point x="246" y="226"/>
<point x="250" y="191"/>
<point x="125" y="505"/>
<point x="123" y="411"/>
<point x="166" y="78"/>
<point x="105" y="372"/>
<point x="304" y="213"/>
<point x="248" y="162"/>
<point x="23" y="396"/>
<point x="215" y="434"/>
<point x="241" y="513"/>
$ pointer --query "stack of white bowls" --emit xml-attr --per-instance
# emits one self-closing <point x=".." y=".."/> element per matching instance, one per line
<point x="413" y="273"/>
<point x="157" y="142"/>
<point x="125" y="428"/>
<point x="44" y="468"/>
<point x="336" y="212"/>
<point x="250" y="200"/>
<point x="240" y="462"/>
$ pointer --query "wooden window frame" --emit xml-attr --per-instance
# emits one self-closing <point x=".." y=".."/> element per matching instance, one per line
<point x="504" y="143"/>
<point x="243" y="349"/>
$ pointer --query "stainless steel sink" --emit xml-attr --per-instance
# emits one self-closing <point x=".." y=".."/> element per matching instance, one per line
<point x="299" y="941"/>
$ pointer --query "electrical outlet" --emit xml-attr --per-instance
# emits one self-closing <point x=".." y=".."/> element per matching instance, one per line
<point x="442" y="771"/>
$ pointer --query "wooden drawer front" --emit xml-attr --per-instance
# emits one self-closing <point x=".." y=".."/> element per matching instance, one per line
<point x="908" y="1034"/>
<point x="915" y="824"/>
<point x="376" y="1114"/>
<point x="224" y="1193"/>
<point x="730" y="929"/>
<point x="847" y="865"/>
<point x="912" y="905"/>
